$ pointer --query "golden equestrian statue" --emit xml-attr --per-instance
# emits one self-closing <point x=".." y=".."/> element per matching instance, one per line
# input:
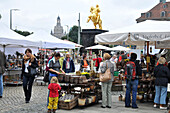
<point x="95" y="17"/>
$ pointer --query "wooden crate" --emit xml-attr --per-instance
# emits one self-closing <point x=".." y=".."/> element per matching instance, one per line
<point x="69" y="105"/>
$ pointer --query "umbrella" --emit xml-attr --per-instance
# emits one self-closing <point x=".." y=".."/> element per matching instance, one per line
<point x="97" y="47"/>
<point x="119" y="48"/>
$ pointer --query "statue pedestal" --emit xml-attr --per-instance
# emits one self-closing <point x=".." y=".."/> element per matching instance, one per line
<point x="88" y="36"/>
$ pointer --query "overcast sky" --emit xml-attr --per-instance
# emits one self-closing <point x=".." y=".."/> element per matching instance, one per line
<point x="42" y="14"/>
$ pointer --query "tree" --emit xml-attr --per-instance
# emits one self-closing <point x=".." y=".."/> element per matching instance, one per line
<point x="24" y="33"/>
<point x="73" y="34"/>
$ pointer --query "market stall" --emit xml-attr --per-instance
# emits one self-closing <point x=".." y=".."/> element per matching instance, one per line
<point x="80" y="89"/>
<point x="10" y="40"/>
<point x="141" y="34"/>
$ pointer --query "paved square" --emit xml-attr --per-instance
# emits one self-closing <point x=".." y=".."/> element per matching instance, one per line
<point x="13" y="102"/>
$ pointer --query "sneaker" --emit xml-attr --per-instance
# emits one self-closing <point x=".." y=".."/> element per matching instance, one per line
<point x="163" y="108"/>
<point x="103" y="107"/>
<point x="108" y="106"/>
<point x="155" y="106"/>
<point x="136" y="107"/>
<point x="0" y="96"/>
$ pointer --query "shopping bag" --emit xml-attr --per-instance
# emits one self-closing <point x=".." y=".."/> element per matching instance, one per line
<point x="105" y="77"/>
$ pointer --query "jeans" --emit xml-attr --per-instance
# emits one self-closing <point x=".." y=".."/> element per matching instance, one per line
<point x="27" y="86"/>
<point x="1" y="84"/>
<point x="160" y="95"/>
<point x="106" y="94"/>
<point x="134" y="85"/>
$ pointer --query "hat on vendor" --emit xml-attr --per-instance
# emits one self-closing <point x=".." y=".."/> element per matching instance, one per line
<point x="162" y="60"/>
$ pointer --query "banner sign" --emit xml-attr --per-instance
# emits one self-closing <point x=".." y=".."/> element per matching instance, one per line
<point x="162" y="44"/>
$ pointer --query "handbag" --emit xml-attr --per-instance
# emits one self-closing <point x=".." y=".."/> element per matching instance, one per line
<point x="33" y="71"/>
<point x="105" y="77"/>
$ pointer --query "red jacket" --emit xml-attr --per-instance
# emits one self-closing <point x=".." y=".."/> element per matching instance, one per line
<point x="53" y="87"/>
<point x="98" y="60"/>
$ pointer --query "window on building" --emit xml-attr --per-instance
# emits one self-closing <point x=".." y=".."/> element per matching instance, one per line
<point x="148" y="15"/>
<point x="142" y="14"/>
<point x="165" y="6"/>
<point x="163" y="13"/>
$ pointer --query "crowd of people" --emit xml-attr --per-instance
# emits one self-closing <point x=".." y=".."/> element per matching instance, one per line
<point x="58" y="64"/>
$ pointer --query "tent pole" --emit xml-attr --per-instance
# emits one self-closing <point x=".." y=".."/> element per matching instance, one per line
<point x="4" y="48"/>
<point x="147" y="55"/>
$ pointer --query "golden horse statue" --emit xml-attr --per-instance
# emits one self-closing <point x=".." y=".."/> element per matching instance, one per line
<point x="95" y="17"/>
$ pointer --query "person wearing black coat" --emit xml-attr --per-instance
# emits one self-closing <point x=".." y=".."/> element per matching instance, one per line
<point x="29" y="63"/>
<point x="162" y="75"/>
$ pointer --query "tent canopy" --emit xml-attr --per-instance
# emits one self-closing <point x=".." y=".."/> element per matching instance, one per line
<point x="76" y="45"/>
<point x="97" y="47"/>
<point x="11" y="38"/>
<point x="118" y="48"/>
<point x="137" y="34"/>
<point x="49" y="41"/>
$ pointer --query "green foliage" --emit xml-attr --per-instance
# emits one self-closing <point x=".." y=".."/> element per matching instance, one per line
<point x="24" y="33"/>
<point x="73" y="34"/>
<point x="64" y="38"/>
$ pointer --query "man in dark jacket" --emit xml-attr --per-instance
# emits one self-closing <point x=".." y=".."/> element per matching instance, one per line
<point x="133" y="83"/>
<point x="2" y="71"/>
<point x="68" y="64"/>
<point x="162" y="75"/>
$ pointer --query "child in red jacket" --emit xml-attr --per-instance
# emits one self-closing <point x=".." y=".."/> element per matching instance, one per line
<point x="53" y="96"/>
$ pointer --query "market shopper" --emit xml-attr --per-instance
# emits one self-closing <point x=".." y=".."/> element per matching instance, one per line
<point x="132" y="80"/>
<point x="2" y="71"/>
<point x="54" y="69"/>
<point x="162" y="75"/>
<point x="28" y="65"/>
<point x="84" y="63"/>
<point x="68" y="64"/>
<point x="114" y="59"/>
<point x="98" y="60"/>
<point x="106" y="86"/>
<point x="54" y="66"/>
<point x="54" y="95"/>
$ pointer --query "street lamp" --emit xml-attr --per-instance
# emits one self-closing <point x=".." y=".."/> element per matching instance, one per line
<point x="11" y="16"/>
<point x="67" y="31"/>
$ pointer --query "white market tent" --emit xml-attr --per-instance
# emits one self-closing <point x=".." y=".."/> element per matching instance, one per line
<point x="137" y="34"/>
<point x="9" y="37"/>
<point x="119" y="48"/>
<point x="98" y="47"/>
<point x="76" y="45"/>
<point x="49" y="41"/>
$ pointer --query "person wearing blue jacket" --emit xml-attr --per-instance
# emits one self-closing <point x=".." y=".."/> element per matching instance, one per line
<point x="68" y="64"/>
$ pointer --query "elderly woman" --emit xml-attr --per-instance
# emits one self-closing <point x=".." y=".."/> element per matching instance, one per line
<point x="68" y="64"/>
<point x="162" y="75"/>
<point x="106" y="86"/>
<point x="29" y="61"/>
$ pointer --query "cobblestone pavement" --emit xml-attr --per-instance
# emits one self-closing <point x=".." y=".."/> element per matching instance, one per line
<point x="13" y="102"/>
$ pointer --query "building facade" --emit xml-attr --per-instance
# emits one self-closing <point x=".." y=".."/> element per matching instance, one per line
<point x="160" y="12"/>
<point x="58" y="29"/>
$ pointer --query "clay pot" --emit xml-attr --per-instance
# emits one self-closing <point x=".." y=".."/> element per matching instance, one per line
<point x="81" y="102"/>
<point x="93" y="99"/>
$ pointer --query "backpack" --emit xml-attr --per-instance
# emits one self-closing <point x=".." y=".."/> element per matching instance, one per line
<point x="130" y="70"/>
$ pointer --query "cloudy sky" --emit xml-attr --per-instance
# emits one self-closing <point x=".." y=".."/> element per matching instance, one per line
<point x="42" y="14"/>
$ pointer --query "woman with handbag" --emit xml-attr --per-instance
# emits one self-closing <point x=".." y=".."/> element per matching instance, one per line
<point x="106" y="77"/>
<point x="29" y="65"/>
